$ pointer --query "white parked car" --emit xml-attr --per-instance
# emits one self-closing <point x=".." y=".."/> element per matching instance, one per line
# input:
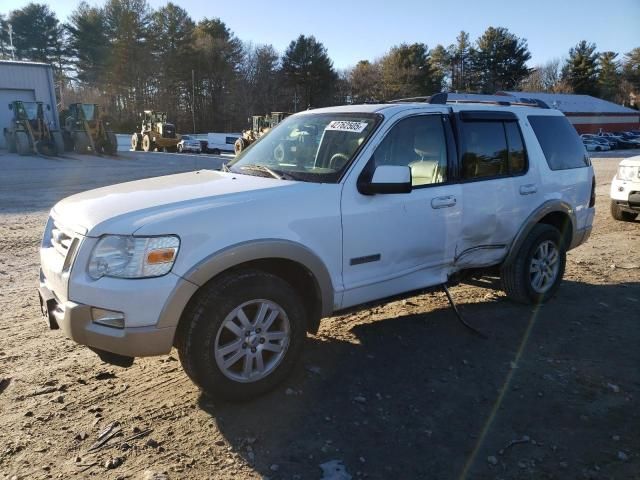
<point x="332" y="209"/>
<point x="625" y="190"/>
<point x="189" y="144"/>
<point x="593" y="146"/>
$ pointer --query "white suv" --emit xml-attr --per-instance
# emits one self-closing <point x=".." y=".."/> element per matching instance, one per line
<point x="625" y="190"/>
<point x="334" y="208"/>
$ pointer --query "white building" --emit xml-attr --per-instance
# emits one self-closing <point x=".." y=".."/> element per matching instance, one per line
<point x="29" y="82"/>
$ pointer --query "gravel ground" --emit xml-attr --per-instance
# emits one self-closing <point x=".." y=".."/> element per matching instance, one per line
<point x="401" y="391"/>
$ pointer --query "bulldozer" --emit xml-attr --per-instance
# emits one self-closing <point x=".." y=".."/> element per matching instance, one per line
<point x="260" y="124"/>
<point x="155" y="133"/>
<point x="87" y="130"/>
<point x="29" y="131"/>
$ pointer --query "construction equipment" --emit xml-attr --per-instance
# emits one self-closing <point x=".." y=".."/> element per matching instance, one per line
<point x="155" y="133"/>
<point x="29" y="132"/>
<point x="259" y="126"/>
<point x="87" y="130"/>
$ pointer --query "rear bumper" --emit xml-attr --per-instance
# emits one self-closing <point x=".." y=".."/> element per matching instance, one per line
<point x="75" y="321"/>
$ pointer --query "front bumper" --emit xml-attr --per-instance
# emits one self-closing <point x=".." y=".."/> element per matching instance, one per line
<point x="74" y="319"/>
<point x="626" y="194"/>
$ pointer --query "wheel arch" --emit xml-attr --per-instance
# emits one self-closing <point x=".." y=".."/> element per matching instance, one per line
<point x="293" y="262"/>
<point x="556" y="213"/>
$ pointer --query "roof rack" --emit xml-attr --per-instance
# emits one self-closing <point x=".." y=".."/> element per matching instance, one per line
<point x="444" y="98"/>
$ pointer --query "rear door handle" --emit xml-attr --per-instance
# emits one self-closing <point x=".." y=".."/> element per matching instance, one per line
<point x="443" y="202"/>
<point x="528" y="189"/>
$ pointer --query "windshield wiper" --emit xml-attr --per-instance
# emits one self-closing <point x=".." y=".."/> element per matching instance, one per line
<point x="261" y="168"/>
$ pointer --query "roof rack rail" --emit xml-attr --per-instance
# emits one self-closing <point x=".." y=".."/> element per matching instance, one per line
<point x="436" y="98"/>
<point x="444" y="98"/>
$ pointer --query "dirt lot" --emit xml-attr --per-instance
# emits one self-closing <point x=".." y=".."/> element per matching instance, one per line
<point x="397" y="392"/>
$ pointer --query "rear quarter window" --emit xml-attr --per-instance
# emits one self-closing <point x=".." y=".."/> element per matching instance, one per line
<point x="560" y="142"/>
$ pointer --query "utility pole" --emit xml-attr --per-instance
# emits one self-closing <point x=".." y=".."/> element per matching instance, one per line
<point x="13" y="55"/>
<point x="193" y="99"/>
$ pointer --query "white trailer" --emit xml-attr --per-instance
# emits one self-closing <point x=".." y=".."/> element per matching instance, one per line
<point x="221" y="142"/>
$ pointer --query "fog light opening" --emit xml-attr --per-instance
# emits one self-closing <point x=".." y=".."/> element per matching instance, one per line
<point x="108" y="318"/>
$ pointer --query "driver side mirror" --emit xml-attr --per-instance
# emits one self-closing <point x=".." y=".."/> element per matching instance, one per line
<point x="387" y="179"/>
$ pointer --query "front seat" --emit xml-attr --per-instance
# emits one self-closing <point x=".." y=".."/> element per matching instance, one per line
<point x="428" y="146"/>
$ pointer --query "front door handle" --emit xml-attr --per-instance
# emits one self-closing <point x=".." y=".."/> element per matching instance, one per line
<point x="443" y="202"/>
<point x="528" y="189"/>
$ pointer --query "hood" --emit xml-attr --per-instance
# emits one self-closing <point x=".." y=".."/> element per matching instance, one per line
<point x="631" y="162"/>
<point x="124" y="208"/>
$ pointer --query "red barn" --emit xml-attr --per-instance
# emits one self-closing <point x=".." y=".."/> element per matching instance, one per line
<point x="587" y="114"/>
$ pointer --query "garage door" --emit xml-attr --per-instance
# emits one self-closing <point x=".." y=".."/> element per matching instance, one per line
<point x="8" y="95"/>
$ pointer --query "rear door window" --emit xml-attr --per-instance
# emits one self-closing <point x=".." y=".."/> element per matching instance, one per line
<point x="560" y="142"/>
<point x="492" y="148"/>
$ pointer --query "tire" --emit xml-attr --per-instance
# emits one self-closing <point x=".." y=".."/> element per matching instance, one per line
<point x="147" y="144"/>
<point x="239" y="145"/>
<point x="619" y="214"/>
<point x="81" y="143"/>
<point x="202" y="332"/>
<point x="111" y="146"/>
<point x="135" y="142"/>
<point x="59" y="141"/>
<point x="10" y="142"/>
<point x="180" y="148"/>
<point x="519" y="278"/>
<point x="22" y="143"/>
<point x="216" y="151"/>
<point x="46" y="147"/>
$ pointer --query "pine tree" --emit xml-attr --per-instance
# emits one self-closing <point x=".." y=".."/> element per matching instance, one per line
<point x="407" y="72"/>
<point x="499" y="61"/>
<point x="608" y="76"/>
<point x="581" y="69"/>
<point x="307" y="67"/>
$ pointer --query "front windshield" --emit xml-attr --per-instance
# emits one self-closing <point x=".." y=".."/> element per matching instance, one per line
<point x="314" y="147"/>
<point x="186" y="137"/>
<point x="30" y="109"/>
<point x="88" y="111"/>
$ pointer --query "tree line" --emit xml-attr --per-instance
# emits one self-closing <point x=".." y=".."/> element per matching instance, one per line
<point x="129" y="57"/>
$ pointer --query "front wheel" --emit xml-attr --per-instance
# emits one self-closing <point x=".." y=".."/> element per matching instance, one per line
<point x="242" y="334"/>
<point x="537" y="270"/>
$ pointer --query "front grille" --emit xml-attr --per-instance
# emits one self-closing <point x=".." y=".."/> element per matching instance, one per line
<point x="60" y="240"/>
<point x="168" y="131"/>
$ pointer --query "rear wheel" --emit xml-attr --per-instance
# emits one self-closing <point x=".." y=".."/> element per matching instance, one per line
<point x="537" y="270"/>
<point x="147" y="144"/>
<point x="180" y="148"/>
<point x="242" y="334"/>
<point x="622" y="215"/>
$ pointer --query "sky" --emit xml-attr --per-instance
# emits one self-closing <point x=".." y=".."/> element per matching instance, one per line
<point x="354" y="30"/>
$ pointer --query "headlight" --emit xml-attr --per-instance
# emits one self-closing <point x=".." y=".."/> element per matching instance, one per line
<point x="628" y="173"/>
<point x="133" y="257"/>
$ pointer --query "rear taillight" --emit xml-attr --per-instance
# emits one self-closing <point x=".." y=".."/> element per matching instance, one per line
<point x="592" y="201"/>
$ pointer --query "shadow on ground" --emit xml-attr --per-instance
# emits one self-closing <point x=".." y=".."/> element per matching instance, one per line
<point x="410" y="396"/>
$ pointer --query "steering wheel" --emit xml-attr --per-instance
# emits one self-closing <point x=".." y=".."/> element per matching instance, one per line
<point x="335" y="160"/>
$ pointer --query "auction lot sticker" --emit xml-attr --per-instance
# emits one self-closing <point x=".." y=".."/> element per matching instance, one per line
<point x="347" y="126"/>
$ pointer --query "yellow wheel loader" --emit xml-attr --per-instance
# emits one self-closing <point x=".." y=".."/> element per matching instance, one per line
<point x="87" y="130"/>
<point x="29" y="130"/>
<point x="155" y="134"/>
<point x="259" y="126"/>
